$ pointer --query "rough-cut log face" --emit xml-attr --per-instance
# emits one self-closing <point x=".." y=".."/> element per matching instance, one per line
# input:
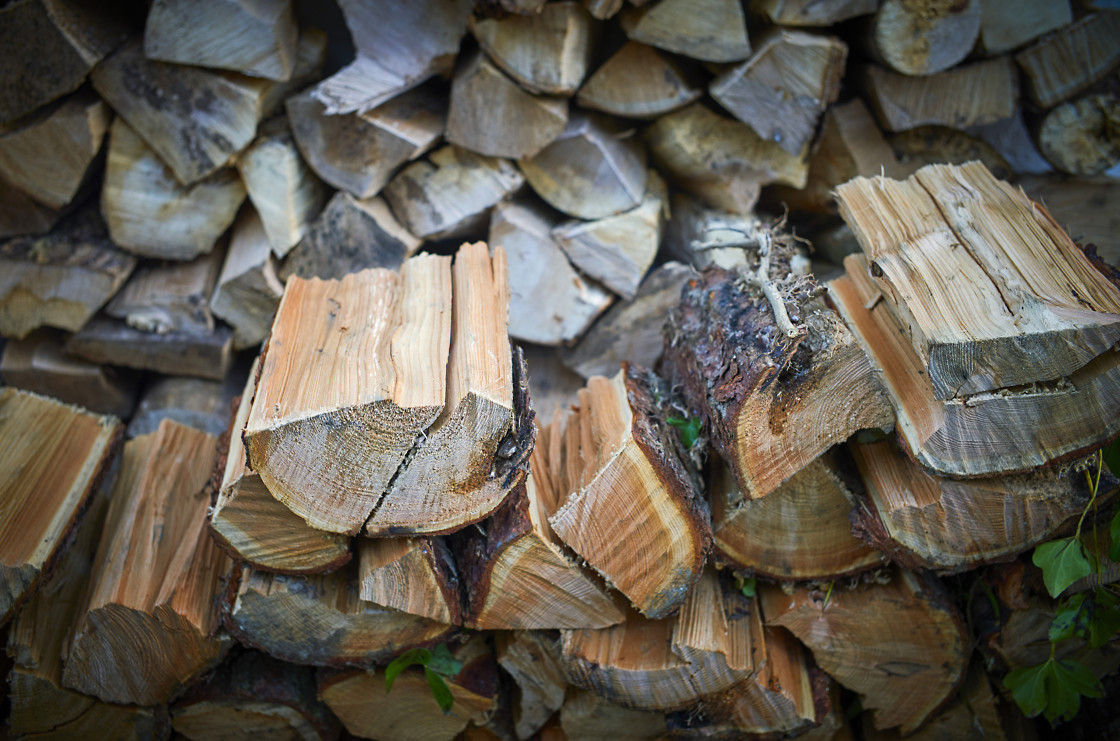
<point x="276" y="614"/>
<point x="586" y="715"/>
<point x="711" y="30"/>
<point x="799" y="531"/>
<point x="924" y="521"/>
<point x="248" y="290"/>
<point x="547" y="52"/>
<point x="149" y="625"/>
<point x="62" y="279"/>
<point x="638" y="81"/>
<point x="1073" y="59"/>
<point x="1078" y="138"/>
<point x="901" y="645"/>
<point x="532" y="658"/>
<point x="377" y="346"/>
<point x="926" y="37"/>
<point x="170" y="296"/>
<point x="52" y="457"/>
<point x="197" y="354"/>
<point x="630" y="504"/>
<point x="417" y="576"/>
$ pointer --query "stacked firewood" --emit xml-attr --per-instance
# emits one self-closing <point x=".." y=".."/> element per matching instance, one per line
<point x="503" y="335"/>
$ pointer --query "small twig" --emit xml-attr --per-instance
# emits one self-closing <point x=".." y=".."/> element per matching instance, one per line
<point x="762" y="279"/>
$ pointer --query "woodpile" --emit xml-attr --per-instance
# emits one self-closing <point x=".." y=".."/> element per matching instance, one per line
<point x="592" y="370"/>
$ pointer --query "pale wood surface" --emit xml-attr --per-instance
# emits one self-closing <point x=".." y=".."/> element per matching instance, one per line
<point x="923" y="38"/>
<point x="1071" y="60"/>
<point x="1006" y="27"/>
<point x="532" y="658"/>
<point x="812" y="12"/>
<point x="413" y="575"/>
<point x="711" y="30"/>
<point x="202" y="404"/>
<point x="928" y="145"/>
<point x="1077" y="137"/>
<point x="638" y="81"/>
<point x="586" y="715"/>
<point x="197" y="354"/>
<point x="170" y="296"/>
<point x="247" y="291"/>
<point x="1088" y="210"/>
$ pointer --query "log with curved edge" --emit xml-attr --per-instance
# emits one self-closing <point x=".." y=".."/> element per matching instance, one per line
<point x="924" y="37"/>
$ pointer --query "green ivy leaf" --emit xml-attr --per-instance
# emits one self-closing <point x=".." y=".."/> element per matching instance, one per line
<point x="1028" y="688"/>
<point x="409" y="658"/>
<point x="440" y="690"/>
<point x="1114" y="534"/>
<point x="1067" y="683"/>
<point x="1106" y="617"/>
<point x="1070" y="619"/>
<point x="1063" y="562"/>
<point x="749" y="587"/>
<point x="1111" y="455"/>
<point x="443" y="662"/>
<point x="689" y="428"/>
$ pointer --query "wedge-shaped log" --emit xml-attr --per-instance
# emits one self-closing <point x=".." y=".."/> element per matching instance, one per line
<point x="247" y="291"/>
<point x="170" y="296"/>
<point x="196" y="354"/>
<point x="588" y="716"/>
<point x="546" y="52"/>
<point x="450" y="193"/>
<point x="151" y="214"/>
<point x="329" y="449"/>
<point x="360" y="153"/>
<point x="50" y="155"/>
<point x="194" y="402"/>
<point x="906" y="628"/>
<point x="350" y="235"/>
<point x="414" y="575"/>
<point x="248" y="522"/>
<point x="700" y="235"/>
<point x="492" y="115"/>
<point x="550" y="301"/>
<point x="20" y="214"/>
<point x="630" y="504"/>
<point x="812" y="12"/>
<point x="454" y="476"/>
<point x="639" y="81"/>
<point x="1025" y="304"/>
<point x="285" y="192"/>
<point x="156" y="577"/>
<point x="50" y="47"/>
<point x="400" y="43"/>
<point x="532" y="658"/>
<point x="1078" y="137"/>
<point x="928" y="145"/>
<point x="711" y="30"/>
<point x="929" y="522"/>
<point x="53" y="456"/>
<point x="772" y="397"/>
<point x="591" y="170"/>
<point x="1073" y="59"/>
<point x="256" y="695"/>
<point x="410" y="712"/>
<point x="618" y="250"/>
<point x="1006" y="27"/>
<point x="60" y="280"/>
<point x="923" y="38"/>
<point x="781" y="91"/>
<point x="255" y="38"/>
<point x="719" y="159"/>
<point x="1010" y="430"/>
<point x="276" y="613"/>
<point x="1088" y="210"/>
<point x="799" y="531"/>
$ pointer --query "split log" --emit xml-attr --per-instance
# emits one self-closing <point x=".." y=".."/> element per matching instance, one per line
<point x="1014" y="143"/>
<point x="409" y="712"/>
<point x="285" y="192"/>
<point x="255" y="39"/>
<point x="350" y="235"/>
<point x="532" y="658"/>
<point x="1080" y="137"/>
<point x="492" y="115"/>
<point x="247" y="291"/>
<point x="254" y="528"/>
<point x="54" y="455"/>
<point x="618" y="250"/>
<point x="375" y="418"/>
<point x="156" y="577"/>
<point x="550" y="301"/>
<point x="450" y="193"/>
<point x="255" y="695"/>
<point x="589" y="717"/>
<point x="630" y="503"/>
<point x="195" y="354"/>
<point x="1089" y="210"/>
<point x="591" y="171"/>
<point x="276" y="613"/>
<point x="193" y="402"/>
<point x="20" y="214"/>
<point x="360" y="153"/>
<point x="781" y="91"/>
<point x="906" y="629"/>
<point x="772" y="398"/>
<point x="51" y="154"/>
<point x="711" y="30"/>
<point x="923" y="38"/>
<point x="1004" y="27"/>
<point x="39" y="364"/>
<point x="695" y="233"/>
<point x="548" y="52"/>
<point x="151" y="214"/>
<point x="719" y="159"/>
<point x="927" y="145"/>
<point x="552" y="386"/>
<point x="456" y="476"/>
<point x="630" y="331"/>
<point x="799" y="531"/>
<point x="1073" y="59"/>
<point x="969" y="95"/>
<point x="928" y="522"/>
<point x="812" y="12"/>
<point x="955" y="438"/>
<point x="1008" y="318"/>
<point x="169" y="297"/>
<point x="414" y="575"/>
<point x="49" y="49"/>
<point x="499" y="8"/>
<point x="603" y="9"/>
<point x="60" y="280"/>
<point x="639" y="81"/>
<point x="517" y="575"/>
<point x="400" y="43"/>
